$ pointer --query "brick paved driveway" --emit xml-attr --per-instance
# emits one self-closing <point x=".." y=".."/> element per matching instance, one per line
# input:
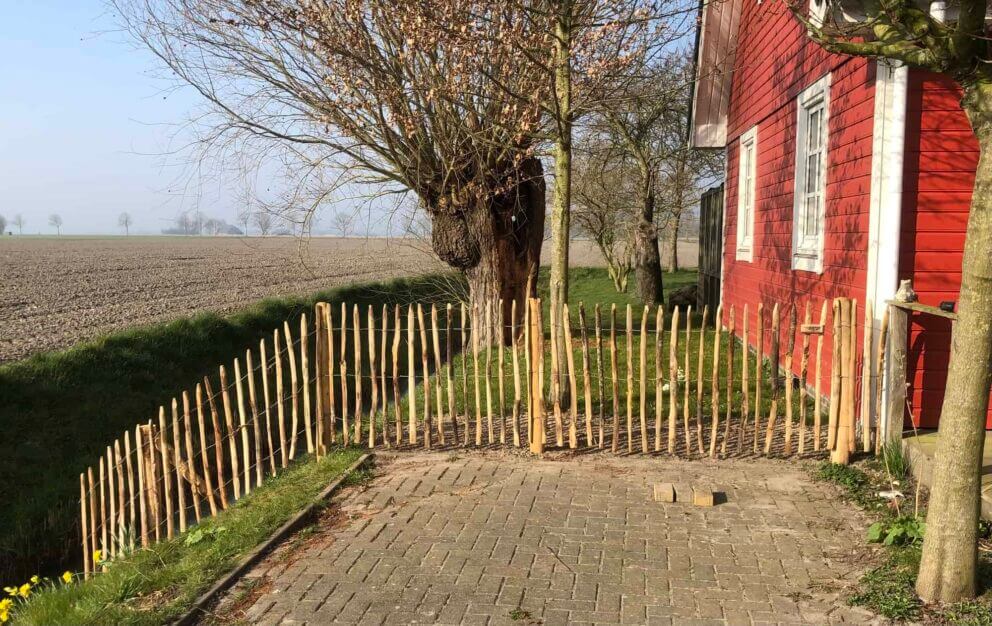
<point x="486" y="539"/>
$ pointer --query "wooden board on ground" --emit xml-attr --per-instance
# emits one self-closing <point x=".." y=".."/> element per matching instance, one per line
<point x="664" y="492"/>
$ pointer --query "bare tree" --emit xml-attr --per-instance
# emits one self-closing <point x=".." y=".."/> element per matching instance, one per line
<point x="3" y="225"/>
<point x="953" y="40"/>
<point x="55" y="221"/>
<point x="606" y="209"/>
<point x="634" y="128"/>
<point x="263" y="222"/>
<point x="19" y="222"/>
<point x="124" y="221"/>
<point x="244" y="218"/>
<point x="406" y="95"/>
<point x="343" y="223"/>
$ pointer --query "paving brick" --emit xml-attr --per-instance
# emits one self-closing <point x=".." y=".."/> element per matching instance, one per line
<point x="472" y="539"/>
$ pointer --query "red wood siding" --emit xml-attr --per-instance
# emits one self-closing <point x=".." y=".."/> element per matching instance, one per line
<point x="939" y="172"/>
<point x="775" y="62"/>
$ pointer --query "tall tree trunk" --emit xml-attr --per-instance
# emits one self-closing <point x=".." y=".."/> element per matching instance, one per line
<point x="950" y="547"/>
<point x="673" y="241"/>
<point x="647" y="257"/>
<point x="498" y="245"/>
<point x="561" y="210"/>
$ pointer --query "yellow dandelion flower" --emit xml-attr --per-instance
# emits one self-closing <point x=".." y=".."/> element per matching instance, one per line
<point x="67" y="577"/>
<point x="35" y="580"/>
<point x="11" y="591"/>
<point x="25" y="590"/>
<point x="97" y="556"/>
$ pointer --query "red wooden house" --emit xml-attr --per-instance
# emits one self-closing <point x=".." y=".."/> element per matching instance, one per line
<point x="844" y="175"/>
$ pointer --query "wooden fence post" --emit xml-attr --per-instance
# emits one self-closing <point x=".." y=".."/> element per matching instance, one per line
<point x="895" y="379"/>
<point x="673" y="379"/>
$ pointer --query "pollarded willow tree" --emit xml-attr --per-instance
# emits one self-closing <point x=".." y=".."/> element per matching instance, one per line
<point x="952" y="39"/>
<point x="432" y="97"/>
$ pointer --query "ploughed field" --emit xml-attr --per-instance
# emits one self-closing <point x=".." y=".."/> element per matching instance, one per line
<point x="56" y="291"/>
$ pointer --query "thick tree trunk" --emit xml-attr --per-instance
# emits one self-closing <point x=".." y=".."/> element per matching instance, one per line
<point x="647" y="257"/>
<point x="497" y="246"/>
<point x="673" y="243"/>
<point x="950" y="547"/>
<point x="560" y="211"/>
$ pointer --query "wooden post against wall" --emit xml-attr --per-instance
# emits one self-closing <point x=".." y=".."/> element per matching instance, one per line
<point x="673" y="379"/>
<point x="759" y="373"/>
<point x="659" y="374"/>
<point x="790" y="346"/>
<point x="573" y="434"/>
<point x="745" y="380"/>
<point x="715" y="381"/>
<point x="852" y="373"/>
<point x="731" y="347"/>
<point x="883" y="334"/>
<point x="803" y="368"/>
<point x="866" y="378"/>
<point x="842" y="441"/>
<point x="818" y="396"/>
<point x="895" y="411"/>
<point x="776" y="386"/>
<point x="586" y="375"/>
<point x="836" y="371"/>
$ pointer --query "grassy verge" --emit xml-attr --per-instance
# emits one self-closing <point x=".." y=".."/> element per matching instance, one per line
<point x="158" y="584"/>
<point x="889" y="588"/>
<point x="60" y="409"/>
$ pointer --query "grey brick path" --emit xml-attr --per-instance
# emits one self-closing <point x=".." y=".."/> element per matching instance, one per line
<point x="484" y="539"/>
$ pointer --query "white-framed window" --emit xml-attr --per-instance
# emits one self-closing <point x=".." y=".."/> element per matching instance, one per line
<point x="747" y="168"/>
<point x="813" y="107"/>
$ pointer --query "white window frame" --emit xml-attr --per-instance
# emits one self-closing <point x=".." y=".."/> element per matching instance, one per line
<point x="747" y="174"/>
<point x="809" y="201"/>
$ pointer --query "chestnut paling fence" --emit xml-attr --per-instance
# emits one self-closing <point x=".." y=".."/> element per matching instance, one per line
<point x="642" y="381"/>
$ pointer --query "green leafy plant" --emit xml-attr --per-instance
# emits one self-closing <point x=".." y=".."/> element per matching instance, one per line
<point x="895" y="462"/>
<point x="199" y="534"/>
<point x="904" y="530"/>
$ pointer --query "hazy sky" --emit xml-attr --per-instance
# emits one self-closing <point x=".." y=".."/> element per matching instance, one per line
<point x="84" y="122"/>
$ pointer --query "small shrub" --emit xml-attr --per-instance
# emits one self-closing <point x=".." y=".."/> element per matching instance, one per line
<point x="899" y="531"/>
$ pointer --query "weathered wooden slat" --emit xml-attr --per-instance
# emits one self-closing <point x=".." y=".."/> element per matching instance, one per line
<point x="177" y="463"/>
<point x="373" y="371"/>
<point x="573" y="411"/>
<point x="488" y="333"/>
<point x="294" y="382"/>
<point x="243" y="426"/>
<point x="614" y="374"/>
<point x="426" y="376"/>
<point x="438" y="372"/>
<point x="280" y="401"/>
<point x="803" y="369"/>
<point x="356" y="336"/>
<point x="715" y="382"/>
<point x="397" y="407"/>
<point x="255" y="425"/>
<point x="701" y="356"/>
<point x="600" y="382"/>
<point x="218" y="442"/>
<point x="836" y="371"/>
<point x="790" y="347"/>
<point x="166" y="476"/>
<point x="687" y="372"/>
<point x="191" y="454"/>
<point x="204" y="457"/>
<point x="659" y="375"/>
<point x="673" y="379"/>
<point x="817" y="396"/>
<point x="643" y="379"/>
<point x="516" y="374"/>
<point x="731" y="347"/>
<point x="231" y="439"/>
<point x="305" y="383"/>
<point x="776" y="387"/>
<point x="84" y="523"/>
<point x="586" y="375"/>
<point x="343" y="373"/>
<point x="449" y="369"/>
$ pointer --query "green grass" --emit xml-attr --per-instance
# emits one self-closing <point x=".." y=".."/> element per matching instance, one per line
<point x="60" y="409"/>
<point x="158" y="584"/>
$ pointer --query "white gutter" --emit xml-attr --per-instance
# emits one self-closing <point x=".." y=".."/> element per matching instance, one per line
<point x="885" y="216"/>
